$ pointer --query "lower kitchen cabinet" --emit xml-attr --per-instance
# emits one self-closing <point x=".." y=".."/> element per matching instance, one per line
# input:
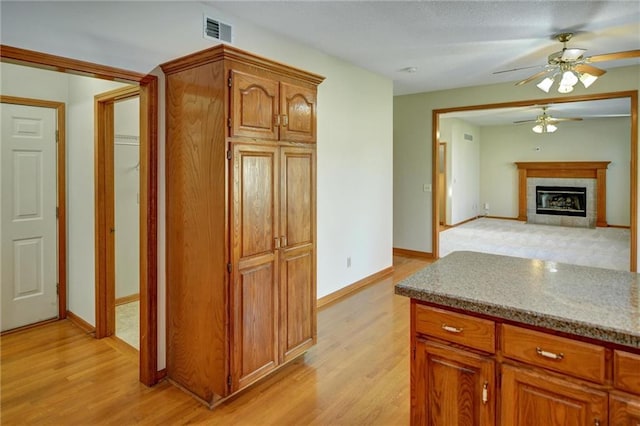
<point x="530" y="398"/>
<point x="477" y="371"/>
<point x="452" y="386"/>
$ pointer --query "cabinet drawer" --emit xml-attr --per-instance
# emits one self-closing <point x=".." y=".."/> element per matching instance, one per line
<point x="626" y="371"/>
<point x="567" y="356"/>
<point x="463" y="329"/>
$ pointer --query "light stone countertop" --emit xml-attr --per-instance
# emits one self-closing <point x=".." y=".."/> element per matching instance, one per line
<point x="596" y="303"/>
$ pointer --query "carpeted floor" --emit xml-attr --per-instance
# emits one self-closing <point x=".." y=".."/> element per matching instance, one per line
<point x="600" y="247"/>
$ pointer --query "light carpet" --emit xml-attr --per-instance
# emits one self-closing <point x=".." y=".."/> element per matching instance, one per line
<point x="600" y="247"/>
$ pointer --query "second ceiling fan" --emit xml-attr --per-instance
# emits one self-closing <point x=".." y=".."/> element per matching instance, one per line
<point x="544" y="123"/>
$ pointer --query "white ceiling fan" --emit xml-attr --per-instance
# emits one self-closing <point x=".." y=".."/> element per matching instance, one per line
<point x="570" y="66"/>
<point x="544" y="123"/>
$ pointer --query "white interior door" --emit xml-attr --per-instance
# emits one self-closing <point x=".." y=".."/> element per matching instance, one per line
<point x="28" y="229"/>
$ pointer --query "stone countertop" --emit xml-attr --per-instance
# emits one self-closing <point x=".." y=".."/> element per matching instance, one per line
<point x="596" y="303"/>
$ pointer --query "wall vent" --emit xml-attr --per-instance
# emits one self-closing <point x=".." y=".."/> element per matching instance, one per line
<point x="216" y="30"/>
<point x="468" y="137"/>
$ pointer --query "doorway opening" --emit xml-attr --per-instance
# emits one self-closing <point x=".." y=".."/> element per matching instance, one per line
<point x="117" y="214"/>
<point x="626" y="96"/>
<point x="148" y="89"/>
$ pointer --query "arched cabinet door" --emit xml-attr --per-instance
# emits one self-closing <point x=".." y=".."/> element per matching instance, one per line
<point x="298" y="110"/>
<point x="254" y="106"/>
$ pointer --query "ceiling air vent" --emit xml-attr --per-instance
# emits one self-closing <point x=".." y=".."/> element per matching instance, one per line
<point x="217" y="30"/>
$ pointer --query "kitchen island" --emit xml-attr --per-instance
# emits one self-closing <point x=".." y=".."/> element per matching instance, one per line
<point x="511" y="341"/>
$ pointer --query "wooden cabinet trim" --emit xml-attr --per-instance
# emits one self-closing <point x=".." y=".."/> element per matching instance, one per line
<point x="226" y="52"/>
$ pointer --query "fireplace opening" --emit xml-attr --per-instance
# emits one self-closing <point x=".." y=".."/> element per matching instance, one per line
<point x="561" y="200"/>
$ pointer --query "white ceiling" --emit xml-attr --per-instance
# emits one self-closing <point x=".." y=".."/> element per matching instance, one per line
<point x="452" y="43"/>
<point x="457" y="43"/>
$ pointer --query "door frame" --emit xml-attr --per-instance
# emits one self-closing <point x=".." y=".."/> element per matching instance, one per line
<point x="148" y="83"/>
<point x="61" y="203"/>
<point x="632" y="95"/>
<point x="443" y="197"/>
<point x="105" y="206"/>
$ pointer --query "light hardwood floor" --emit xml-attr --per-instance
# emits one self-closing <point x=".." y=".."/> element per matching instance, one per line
<point x="357" y="374"/>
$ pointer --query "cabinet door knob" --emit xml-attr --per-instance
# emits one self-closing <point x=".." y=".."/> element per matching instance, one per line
<point x="276" y="241"/>
<point x="485" y="392"/>
<point x="277" y="119"/>
<point x="285" y="120"/>
<point x="451" y="329"/>
<point x="283" y="240"/>
<point x="550" y="355"/>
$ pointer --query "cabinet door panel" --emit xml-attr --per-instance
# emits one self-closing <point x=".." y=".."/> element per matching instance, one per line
<point x="298" y="196"/>
<point x="298" y="105"/>
<point x="452" y="387"/>
<point x="298" y="302"/>
<point x="255" y="261"/>
<point x="255" y="323"/>
<point x="255" y="199"/>
<point x="254" y="106"/>
<point x="297" y="223"/>
<point x="624" y="410"/>
<point x="532" y="399"/>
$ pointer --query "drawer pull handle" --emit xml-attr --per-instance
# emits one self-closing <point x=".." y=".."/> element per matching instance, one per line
<point x="451" y="329"/>
<point x="485" y="392"/>
<point x="549" y="355"/>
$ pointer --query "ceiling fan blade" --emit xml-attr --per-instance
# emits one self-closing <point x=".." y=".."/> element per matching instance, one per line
<point x="597" y="72"/>
<point x="533" y="77"/>
<point x="518" y="69"/>
<point x="524" y="121"/>
<point x="556" y="120"/>
<point x="571" y="54"/>
<point x="614" y="56"/>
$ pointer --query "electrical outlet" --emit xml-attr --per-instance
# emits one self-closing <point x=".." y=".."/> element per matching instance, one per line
<point x="349" y="262"/>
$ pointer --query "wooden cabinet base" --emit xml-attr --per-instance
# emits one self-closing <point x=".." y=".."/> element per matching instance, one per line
<point x="459" y="359"/>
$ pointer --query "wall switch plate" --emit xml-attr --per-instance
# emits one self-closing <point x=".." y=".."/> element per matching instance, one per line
<point x="426" y="187"/>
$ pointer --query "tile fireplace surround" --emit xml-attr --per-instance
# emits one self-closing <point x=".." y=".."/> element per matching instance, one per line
<point x="588" y="174"/>
<point x="544" y="219"/>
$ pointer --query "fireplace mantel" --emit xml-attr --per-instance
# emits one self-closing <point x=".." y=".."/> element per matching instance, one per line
<point x="565" y="169"/>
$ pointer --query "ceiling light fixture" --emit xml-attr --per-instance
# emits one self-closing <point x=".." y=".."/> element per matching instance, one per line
<point x="569" y="65"/>
<point x="544" y="123"/>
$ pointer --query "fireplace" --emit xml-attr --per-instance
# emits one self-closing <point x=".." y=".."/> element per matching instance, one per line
<point x="561" y="200"/>
<point x="591" y="175"/>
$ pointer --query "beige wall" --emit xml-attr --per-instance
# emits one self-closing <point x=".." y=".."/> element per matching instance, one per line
<point x="412" y="130"/>
<point x="604" y="139"/>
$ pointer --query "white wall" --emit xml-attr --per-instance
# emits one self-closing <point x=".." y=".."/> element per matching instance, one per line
<point x="126" y="193"/>
<point x="463" y="170"/>
<point x="412" y="143"/>
<point x="78" y="93"/>
<point x="355" y="110"/>
<point x="81" y="194"/>
<point x="604" y="139"/>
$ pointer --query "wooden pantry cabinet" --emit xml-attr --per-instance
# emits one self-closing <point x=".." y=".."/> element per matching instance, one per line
<point x="471" y="370"/>
<point x="241" y="219"/>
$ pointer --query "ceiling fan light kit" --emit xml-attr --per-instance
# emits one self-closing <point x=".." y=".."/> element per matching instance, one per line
<point x="544" y="128"/>
<point x="544" y="123"/>
<point x="570" y="66"/>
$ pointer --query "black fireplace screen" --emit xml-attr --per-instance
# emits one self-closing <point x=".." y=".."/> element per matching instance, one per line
<point x="561" y="200"/>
